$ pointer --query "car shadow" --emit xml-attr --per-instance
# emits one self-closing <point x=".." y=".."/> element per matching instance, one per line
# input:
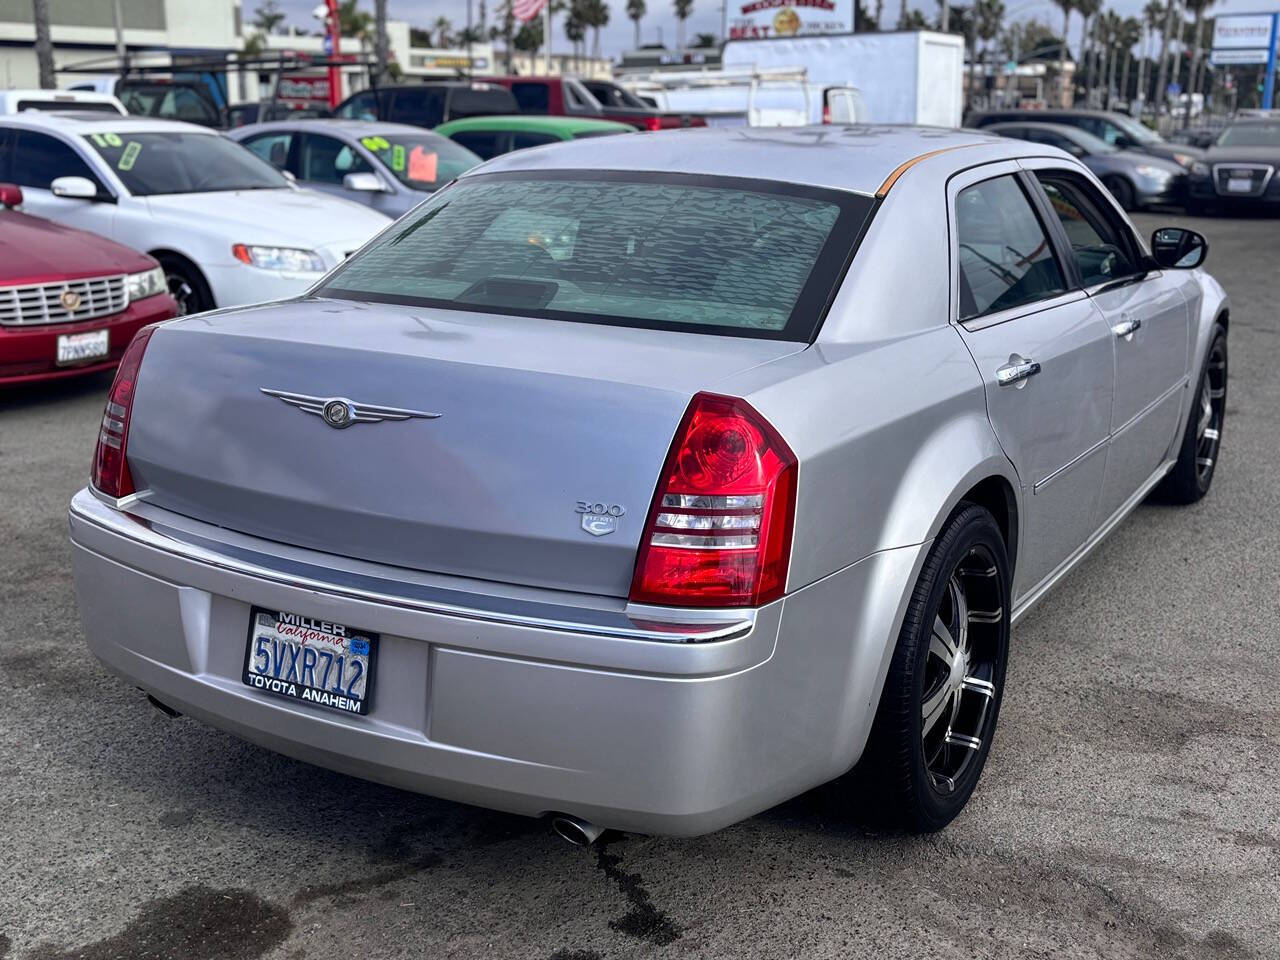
<point x="52" y="392"/>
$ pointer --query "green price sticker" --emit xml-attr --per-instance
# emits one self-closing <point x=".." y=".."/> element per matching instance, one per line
<point x="375" y="143"/>
<point x="397" y="157"/>
<point x="130" y="155"/>
<point x="107" y="139"/>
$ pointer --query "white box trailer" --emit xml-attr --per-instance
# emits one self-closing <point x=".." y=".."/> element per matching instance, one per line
<point x="915" y="77"/>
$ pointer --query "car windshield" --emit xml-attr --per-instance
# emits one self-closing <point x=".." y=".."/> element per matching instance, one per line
<point x="1133" y="128"/>
<point x="179" y="162"/>
<point x="614" y="96"/>
<point x="1251" y="135"/>
<point x="420" y="161"/>
<point x="656" y="251"/>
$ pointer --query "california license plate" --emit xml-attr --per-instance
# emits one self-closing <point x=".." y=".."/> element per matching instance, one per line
<point x="80" y="347"/>
<point x="1239" y="184"/>
<point x="316" y="661"/>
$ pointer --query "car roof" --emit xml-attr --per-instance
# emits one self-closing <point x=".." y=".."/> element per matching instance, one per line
<point x="862" y="159"/>
<point x="74" y="122"/>
<point x="527" y="123"/>
<point x="331" y="125"/>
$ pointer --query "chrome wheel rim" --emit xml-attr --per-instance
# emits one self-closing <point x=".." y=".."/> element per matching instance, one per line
<point x="1210" y="411"/>
<point x="961" y="670"/>
<point x="181" y="292"/>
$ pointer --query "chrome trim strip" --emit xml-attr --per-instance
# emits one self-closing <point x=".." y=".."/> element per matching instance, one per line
<point x="660" y="624"/>
<point x="1041" y="484"/>
<point x="1180" y="385"/>
<point x="1025" y="310"/>
<point x="1029" y="599"/>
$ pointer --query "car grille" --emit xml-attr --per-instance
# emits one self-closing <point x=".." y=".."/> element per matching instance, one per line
<point x="1259" y="175"/>
<point x="45" y="303"/>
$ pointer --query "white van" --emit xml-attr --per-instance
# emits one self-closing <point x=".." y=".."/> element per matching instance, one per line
<point x="15" y="101"/>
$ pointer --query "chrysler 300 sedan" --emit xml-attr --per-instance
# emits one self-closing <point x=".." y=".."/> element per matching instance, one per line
<point x="647" y="482"/>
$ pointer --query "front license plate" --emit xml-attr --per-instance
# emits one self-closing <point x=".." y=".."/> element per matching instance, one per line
<point x="79" y="347"/>
<point x="315" y="661"/>
<point x="1239" y="185"/>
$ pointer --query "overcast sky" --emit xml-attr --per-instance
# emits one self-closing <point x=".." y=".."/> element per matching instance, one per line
<point x="707" y="16"/>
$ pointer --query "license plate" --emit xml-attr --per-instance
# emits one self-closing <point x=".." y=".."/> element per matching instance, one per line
<point x="316" y="661"/>
<point x="79" y="347"/>
<point x="1240" y="185"/>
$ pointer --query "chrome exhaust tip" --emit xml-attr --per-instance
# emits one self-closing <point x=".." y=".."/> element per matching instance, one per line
<point x="577" y="831"/>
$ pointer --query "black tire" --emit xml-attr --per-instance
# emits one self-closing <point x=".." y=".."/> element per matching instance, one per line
<point x="897" y="777"/>
<point x="1122" y="190"/>
<point x="1192" y="474"/>
<point x="186" y="284"/>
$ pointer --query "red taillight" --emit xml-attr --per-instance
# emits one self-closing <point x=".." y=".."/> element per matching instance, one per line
<point x="826" y="113"/>
<point x="719" y="530"/>
<point x="653" y="123"/>
<point x="110" y="468"/>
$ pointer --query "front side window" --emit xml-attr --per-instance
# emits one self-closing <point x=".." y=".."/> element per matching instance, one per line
<point x="422" y="162"/>
<point x="1006" y="259"/>
<point x="158" y="163"/>
<point x="655" y="251"/>
<point x="326" y="160"/>
<point x="1096" y="245"/>
<point x="39" y="159"/>
<point x="272" y="147"/>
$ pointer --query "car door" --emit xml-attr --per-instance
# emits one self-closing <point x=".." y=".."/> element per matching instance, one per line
<point x="1147" y="312"/>
<point x="37" y="160"/>
<point x="1044" y="353"/>
<point x="324" y="162"/>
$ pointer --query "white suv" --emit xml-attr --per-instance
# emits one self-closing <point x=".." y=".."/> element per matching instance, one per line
<point x="226" y="226"/>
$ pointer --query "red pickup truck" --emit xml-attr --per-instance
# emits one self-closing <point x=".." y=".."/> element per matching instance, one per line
<point x="570" y="97"/>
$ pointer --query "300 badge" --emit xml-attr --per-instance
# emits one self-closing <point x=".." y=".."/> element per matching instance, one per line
<point x="599" y="519"/>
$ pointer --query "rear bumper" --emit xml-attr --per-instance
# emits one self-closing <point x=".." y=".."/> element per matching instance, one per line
<point x="29" y="353"/>
<point x="657" y="721"/>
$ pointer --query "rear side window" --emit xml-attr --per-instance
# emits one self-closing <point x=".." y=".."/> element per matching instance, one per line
<point x="483" y="102"/>
<point x="1006" y="259"/>
<point x="532" y="97"/>
<point x="521" y="140"/>
<point x="420" y="106"/>
<point x="656" y="251"/>
<point x="363" y="106"/>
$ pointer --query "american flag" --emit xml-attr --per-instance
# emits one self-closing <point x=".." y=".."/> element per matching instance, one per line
<point x="524" y="10"/>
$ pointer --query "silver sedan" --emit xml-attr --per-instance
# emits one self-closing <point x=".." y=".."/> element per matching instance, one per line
<point x="648" y="484"/>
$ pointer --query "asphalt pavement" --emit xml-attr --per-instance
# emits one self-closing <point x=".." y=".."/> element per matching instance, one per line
<point x="1130" y="808"/>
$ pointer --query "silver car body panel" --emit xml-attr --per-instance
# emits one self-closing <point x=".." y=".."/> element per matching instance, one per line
<point x="514" y="673"/>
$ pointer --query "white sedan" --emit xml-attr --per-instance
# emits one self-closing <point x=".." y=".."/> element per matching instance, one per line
<point x="226" y="226"/>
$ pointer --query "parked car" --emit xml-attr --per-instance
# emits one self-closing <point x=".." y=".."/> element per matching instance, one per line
<point x="1199" y="137"/>
<point x="428" y="104"/>
<point x="618" y="103"/>
<point x="487" y="137"/>
<point x="226" y="227"/>
<point x="243" y="114"/>
<point x="644" y="486"/>
<point x="16" y="101"/>
<point x="171" y="100"/>
<point x="1239" y="170"/>
<point x="387" y="166"/>
<point x="568" y="96"/>
<point x="1134" y="179"/>
<point x="70" y="301"/>
<point x="1117" y="129"/>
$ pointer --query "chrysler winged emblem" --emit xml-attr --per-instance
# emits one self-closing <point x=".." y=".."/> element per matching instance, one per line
<point x="340" y="413"/>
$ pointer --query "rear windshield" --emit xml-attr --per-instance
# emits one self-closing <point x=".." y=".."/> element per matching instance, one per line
<point x="79" y="106"/>
<point x="1251" y="135"/>
<point x="703" y="254"/>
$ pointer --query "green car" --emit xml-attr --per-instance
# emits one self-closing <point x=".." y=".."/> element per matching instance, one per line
<point x="487" y="137"/>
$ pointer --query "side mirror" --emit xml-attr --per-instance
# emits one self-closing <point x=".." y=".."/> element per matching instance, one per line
<point x="1178" y="249"/>
<point x="10" y="195"/>
<point x="74" y="188"/>
<point x="288" y="175"/>
<point x="364" y="183"/>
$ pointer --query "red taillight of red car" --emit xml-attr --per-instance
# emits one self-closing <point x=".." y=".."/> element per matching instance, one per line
<point x="653" y="123"/>
<point x="719" y="530"/>
<point x="110" y="467"/>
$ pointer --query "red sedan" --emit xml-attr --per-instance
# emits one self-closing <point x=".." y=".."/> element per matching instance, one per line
<point x="70" y="301"/>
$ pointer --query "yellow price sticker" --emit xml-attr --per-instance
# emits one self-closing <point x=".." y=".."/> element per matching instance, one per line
<point x="397" y="157"/>
<point x="130" y="156"/>
<point x="375" y="143"/>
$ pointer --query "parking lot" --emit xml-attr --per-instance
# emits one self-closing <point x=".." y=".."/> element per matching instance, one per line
<point x="1128" y="810"/>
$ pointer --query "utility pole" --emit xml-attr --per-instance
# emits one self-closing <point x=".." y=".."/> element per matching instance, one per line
<point x="44" y="44"/>
<point x="380" y="36"/>
<point x="122" y="52"/>
<point x="335" y="41"/>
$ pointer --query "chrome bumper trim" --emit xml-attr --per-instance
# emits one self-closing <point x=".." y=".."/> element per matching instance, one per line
<point x="658" y="624"/>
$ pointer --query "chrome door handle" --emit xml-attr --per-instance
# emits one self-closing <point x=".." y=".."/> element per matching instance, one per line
<point x="1127" y="328"/>
<point x="1016" y="371"/>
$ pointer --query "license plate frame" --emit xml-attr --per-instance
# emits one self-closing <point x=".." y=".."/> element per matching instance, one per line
<point x="319" y="635"/>
<point x="69" y="352"/>
<point x="1239" y="185"/>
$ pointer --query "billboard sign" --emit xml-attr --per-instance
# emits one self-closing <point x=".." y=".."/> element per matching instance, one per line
<point x="1232" y="58"/>
<point x="773" y="19"/>
<point x="1247" y="31"/>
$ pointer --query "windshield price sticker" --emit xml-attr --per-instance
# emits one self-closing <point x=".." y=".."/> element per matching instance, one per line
<point x="397" y="157"/>
<point x="375" y="144"/>
<point x="130" y="155"/>
<point x="107" y="139"/>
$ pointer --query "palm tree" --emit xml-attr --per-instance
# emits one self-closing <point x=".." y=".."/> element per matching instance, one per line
<point x="988" y="18"/>
<point x="443" y="27"/>
<point x="1130" y="35"/>
<point x="1066" y="6"/>
<point x="1195" y="81"/>
<point x="684" y="9"/>
<point x="1152" y="14"/>
<point x="596" y="16"/>
<point x="575" y="27"/>
<point x="635" y="13"/>
<point x="1110" y="29"/>
<point x="268" y="17"/>
<point x="1162" y="75"/>
<point x="1088" y="10"/>
<point x="380" y="46"/>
